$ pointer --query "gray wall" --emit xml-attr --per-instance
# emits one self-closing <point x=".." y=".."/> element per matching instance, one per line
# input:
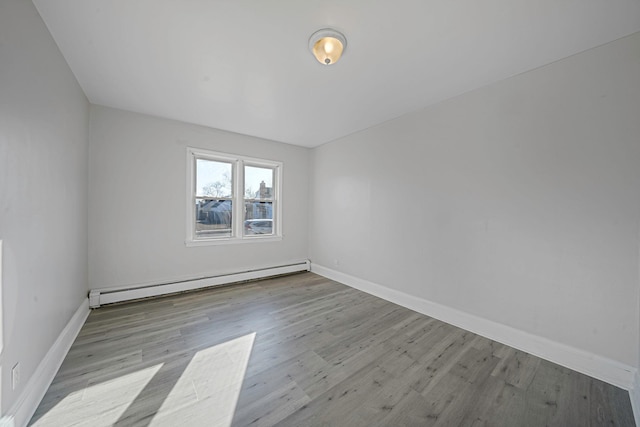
<point x="137" y="201"/>
<point x="518" y="202"/>
<point x="44" y="120"/>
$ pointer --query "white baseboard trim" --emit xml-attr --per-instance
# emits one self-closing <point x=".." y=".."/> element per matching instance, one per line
<point x="24" y="408"/>
<point x="98" y="297"/>
<point x="595" y="366"/>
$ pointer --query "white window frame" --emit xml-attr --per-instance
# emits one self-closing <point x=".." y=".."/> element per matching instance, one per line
<point x="238" y="163"/>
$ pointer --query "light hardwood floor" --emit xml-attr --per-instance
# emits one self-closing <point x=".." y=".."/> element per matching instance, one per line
<point x="303" y="350"/>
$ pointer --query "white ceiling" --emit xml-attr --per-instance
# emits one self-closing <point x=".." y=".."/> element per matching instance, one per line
<point x="244" y="66"/>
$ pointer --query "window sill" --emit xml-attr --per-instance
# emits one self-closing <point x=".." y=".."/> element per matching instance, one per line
<point x="232" y="241"/>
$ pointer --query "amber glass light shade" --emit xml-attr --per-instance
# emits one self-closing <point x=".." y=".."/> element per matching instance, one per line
<point x="327" y="46"/>
<point x="328" y="50"/>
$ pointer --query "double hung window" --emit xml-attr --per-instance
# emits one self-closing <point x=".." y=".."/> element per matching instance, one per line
<point x="232" y="199"/>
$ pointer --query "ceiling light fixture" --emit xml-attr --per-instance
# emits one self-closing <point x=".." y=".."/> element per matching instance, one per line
<point x="327" y="45"/>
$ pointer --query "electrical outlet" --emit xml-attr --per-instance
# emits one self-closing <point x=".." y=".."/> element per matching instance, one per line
<point x="15" y="376"/>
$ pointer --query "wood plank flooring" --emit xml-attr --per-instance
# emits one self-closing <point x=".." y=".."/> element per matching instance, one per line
<point x="303" y="350"/>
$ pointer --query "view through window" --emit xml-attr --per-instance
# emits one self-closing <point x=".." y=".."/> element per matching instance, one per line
<point x="232" y="197"/>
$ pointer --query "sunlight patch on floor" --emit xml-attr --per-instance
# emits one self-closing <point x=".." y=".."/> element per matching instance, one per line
<point x="99" y="403"/>
<point x="208" y="390"/>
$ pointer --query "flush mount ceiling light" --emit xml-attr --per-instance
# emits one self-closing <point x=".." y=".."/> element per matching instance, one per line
<point x="327" y="45"/>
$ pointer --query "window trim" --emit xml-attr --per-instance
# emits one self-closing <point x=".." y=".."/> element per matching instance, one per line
<point x="237" y="188"/>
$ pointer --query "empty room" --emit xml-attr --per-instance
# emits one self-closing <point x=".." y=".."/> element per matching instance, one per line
<point x="291" y="213"/>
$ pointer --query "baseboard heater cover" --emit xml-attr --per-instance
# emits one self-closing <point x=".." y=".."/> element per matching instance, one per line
<point x="99" y="297"/>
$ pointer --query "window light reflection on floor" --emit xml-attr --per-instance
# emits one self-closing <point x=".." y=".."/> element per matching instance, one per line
<point x="108" y="400"/>
<point x="207" y="392"/>
<point x="201" y="389"/>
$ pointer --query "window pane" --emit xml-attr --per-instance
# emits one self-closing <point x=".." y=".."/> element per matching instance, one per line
<point x="213" y="178"/>
<point x="258" y="218"/>
<point x="213" y="218"/>
<point x="258" y="183"/>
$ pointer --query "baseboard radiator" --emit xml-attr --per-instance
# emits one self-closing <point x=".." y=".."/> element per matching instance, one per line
<point x="99" y="297"/>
